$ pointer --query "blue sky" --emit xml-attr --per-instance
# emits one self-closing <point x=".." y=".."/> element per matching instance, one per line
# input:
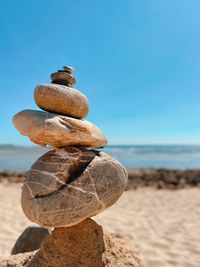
<point x="138" y="62"/>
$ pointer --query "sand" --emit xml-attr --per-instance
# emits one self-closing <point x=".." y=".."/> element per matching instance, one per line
<point x="163" y="224"/>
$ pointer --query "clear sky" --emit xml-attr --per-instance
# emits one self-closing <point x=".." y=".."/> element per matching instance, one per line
<point x="137" y="61"/>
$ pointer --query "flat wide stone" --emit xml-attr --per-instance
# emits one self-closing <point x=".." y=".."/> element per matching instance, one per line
<point x="61" y="100"/>
<point x="44" y="128"/>
<point x="66" y="186"/>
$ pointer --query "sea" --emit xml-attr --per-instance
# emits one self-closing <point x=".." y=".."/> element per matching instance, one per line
<point x="20" y="159"/>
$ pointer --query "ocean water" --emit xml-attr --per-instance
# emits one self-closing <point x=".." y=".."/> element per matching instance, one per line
<point x="135" y="156"/>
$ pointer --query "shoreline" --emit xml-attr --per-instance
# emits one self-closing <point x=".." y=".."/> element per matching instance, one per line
<point x="157" y="178"/>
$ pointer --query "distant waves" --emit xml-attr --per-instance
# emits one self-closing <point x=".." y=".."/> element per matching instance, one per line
<point x="20" y="159"/>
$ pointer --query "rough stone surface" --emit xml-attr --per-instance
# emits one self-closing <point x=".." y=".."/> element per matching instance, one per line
<point x="30" y="239"/>
<point x="45" y="128"/>
<point x="66" y="186"/>
<point x="61" y="100"/>
<point x="83" y="245"/>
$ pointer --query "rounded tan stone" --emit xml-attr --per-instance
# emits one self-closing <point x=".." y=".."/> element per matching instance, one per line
<point x="44" y="128"/>
<point x="61" y="100"/>
<point x="66" y="186"/>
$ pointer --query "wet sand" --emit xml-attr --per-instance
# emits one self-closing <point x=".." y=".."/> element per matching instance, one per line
<point x="163" y="224"/>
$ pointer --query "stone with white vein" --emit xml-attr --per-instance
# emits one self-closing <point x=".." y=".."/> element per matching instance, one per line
<point x="66" y="186"/>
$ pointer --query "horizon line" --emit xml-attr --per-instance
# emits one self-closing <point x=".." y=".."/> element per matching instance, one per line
<point x="136" y="144"/>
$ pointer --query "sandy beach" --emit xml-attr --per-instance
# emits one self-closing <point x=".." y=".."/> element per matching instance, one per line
<point x="100" y="135"/>
<point x="162" y="224"/>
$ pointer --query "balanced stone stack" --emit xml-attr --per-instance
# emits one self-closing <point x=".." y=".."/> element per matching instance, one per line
<point x="73" y="181"/>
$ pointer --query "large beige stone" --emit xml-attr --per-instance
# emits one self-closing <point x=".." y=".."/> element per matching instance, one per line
<point x="45" y="128"/>
<point x="61" y="100"/>
<point x="66" y="186"/>
<point x="83" y="245"/>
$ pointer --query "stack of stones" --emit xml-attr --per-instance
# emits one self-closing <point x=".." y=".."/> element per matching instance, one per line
<point x="72" y="181"/>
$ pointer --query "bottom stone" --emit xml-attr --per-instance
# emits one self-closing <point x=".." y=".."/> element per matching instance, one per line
<point x="82" y="245"/>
